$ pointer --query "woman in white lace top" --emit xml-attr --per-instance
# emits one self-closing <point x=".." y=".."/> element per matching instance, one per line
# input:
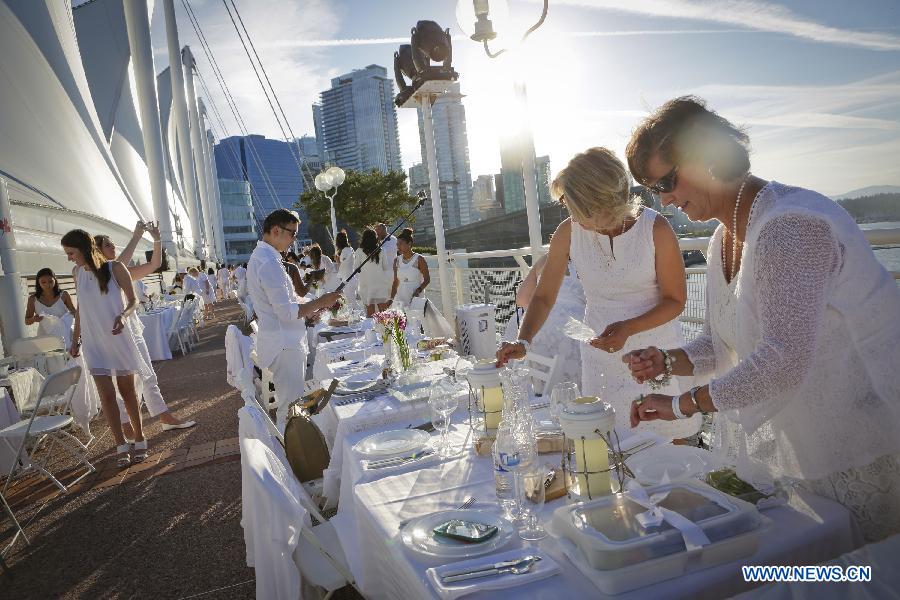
<point x="802" y="336"/>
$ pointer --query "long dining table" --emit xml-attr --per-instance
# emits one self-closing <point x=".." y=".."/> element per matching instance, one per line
<point x="373" y="504"/>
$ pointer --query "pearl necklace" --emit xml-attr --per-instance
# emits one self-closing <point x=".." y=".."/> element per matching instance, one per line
<point x="734" y="242"/>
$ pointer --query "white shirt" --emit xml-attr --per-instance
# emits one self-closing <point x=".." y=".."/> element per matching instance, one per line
<point x="222" y="275"/>
<point x="276" y="304"/>
<point x="240" y="273"/>
<point x="191" y="285"/>
<point x="389" y="250"/>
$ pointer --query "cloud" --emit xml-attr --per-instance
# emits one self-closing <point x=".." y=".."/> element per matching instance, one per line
<point x="760" y="16"/>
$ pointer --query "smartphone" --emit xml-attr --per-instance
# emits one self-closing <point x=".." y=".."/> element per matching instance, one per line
<point x="465" y="531"/>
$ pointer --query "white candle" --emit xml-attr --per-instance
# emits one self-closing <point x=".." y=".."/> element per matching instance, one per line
<point x="591" y="455"/>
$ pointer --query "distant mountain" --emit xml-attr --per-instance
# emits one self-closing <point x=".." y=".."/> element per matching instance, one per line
<point x="873" y="208"/>
<point x="872" y="190"/>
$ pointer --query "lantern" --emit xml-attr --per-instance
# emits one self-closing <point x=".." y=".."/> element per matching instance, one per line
<point x="588" y="426"/>
<point x="485" y="398"/>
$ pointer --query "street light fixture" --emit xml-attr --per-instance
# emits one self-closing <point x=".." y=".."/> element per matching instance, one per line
<point x="327" y="180"/>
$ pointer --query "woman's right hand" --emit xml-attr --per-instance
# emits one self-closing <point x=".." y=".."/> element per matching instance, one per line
<point x="75" y="350"/>
<point x="37" y="318"/>
<point x="509" y="351"/>
<point x="645" y="364"/>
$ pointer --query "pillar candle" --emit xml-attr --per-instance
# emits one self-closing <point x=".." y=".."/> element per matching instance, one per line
<point x="492" y="404"/>
<point x="595" y="451"/>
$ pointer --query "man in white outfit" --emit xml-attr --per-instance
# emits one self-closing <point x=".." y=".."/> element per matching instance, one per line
<point x="389" y="250"/>
<point x="281" y="340"/>
<point x="222" y="276"/>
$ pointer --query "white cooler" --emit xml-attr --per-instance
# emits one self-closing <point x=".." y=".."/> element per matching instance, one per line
<point x="476" y="330"/>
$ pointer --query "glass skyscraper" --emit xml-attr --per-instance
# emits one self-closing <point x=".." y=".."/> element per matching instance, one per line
<point x="270" y="167"/>
<point x="451" y="147"/>
<point x="356" y="121"/>
<point x="238" y="220"/>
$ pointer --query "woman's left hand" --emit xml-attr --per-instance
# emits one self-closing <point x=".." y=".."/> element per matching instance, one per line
<point x="651" y="407"/>
<point x="613" y="337"/>
<point x="118" y="325"/>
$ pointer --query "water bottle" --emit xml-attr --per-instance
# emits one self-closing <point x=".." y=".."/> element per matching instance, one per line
<point x="503" y="477"/>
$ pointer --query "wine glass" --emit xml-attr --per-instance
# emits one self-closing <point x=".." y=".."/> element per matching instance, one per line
<point x="534" y="490"/>
<point x="562" y="395"/>
<point x="443" y="403"/>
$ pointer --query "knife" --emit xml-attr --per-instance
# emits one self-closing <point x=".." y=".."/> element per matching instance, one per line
<point x="391" y="462"/>
<point x="494" y="567"/>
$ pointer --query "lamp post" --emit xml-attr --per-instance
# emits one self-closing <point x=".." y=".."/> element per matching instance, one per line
<point x="475" y="19"/>
<point x="331" y="179"/>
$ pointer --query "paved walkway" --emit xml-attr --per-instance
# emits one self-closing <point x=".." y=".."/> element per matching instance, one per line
<point x="169" y="528"/>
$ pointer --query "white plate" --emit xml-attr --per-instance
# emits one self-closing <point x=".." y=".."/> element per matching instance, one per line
<point x="419" y="537"/>
<point x="358" y="382"/>
<point x="675" y="462"/>
<point x="393" y="443"/>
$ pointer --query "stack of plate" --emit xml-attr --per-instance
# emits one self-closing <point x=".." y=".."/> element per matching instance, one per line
<point x="388" y="444"/>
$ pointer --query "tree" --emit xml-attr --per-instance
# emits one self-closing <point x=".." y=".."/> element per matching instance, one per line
<point x="363" y="199"/>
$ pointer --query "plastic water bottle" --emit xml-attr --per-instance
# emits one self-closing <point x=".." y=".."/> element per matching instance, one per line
<point x="503" y="477"/>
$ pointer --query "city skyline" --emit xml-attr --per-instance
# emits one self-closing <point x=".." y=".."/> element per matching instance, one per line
<point x="816" y="84"/>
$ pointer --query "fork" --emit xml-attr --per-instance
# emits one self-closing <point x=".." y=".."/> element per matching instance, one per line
<point x="469" y="502"/>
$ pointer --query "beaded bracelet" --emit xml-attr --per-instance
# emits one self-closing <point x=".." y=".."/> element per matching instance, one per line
<point x="660" y="381"/>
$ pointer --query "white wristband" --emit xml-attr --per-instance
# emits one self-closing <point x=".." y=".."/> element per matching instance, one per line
<point x="676" y="408"/>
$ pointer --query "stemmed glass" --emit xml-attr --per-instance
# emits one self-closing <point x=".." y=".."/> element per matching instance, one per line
<point x="533" y="479"/>
<point x="443" y="402"/>
<point x="562" y="395"/>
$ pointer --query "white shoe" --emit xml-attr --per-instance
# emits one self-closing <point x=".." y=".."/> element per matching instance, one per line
<point x="184" y="425"/>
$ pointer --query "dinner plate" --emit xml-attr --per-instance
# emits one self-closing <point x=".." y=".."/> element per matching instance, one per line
<point x="419" y="536"/>
<point x="393" y="443"/>
<point x="668" y="460"/>
<point x="358" y="382"/>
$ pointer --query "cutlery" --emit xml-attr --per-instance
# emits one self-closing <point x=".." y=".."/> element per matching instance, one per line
<point x="520" y="568"/>
<point x="540" y="405"/>
<point x="500" y="565"/>
<point x="397" y="460"/>
<point x="469" y="502"/>
<point x="548" y="480"/>
<point x="363" y="397"/>
<point x="426" y="427"/>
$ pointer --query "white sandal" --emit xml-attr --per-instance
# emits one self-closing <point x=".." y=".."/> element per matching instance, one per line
<point x="139" y="452"/>
<point x="123" y="460"/>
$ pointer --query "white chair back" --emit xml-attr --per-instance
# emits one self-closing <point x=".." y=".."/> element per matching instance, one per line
<point x="544" y="372"/>
<point x="32" y="346"/>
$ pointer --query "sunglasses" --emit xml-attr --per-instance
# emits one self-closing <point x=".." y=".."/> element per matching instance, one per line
<point x="666" y="183"/>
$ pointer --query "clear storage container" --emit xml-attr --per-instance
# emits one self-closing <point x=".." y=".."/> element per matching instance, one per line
<point x="608" y="536"/>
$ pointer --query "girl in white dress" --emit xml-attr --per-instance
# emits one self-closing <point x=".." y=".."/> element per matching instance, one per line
<point x="108" y="336"/>
<point x="49" y="301"/>
<point x="149" y="388"/>
<point x="320" y="261"/>
<point x="802" y="338"/>
<point x="628" y="260"/>
<point x="411" y="274"/>
<point x="375" y="276"/>
<point x="551" y="340"/>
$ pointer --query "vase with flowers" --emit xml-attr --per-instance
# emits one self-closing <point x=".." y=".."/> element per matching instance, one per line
<point x="395" y="344"/>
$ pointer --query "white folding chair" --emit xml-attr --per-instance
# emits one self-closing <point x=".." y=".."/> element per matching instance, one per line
<point x="544" y="372"/>
<point x="38" y="351"/>
<point x="38" y="428"/>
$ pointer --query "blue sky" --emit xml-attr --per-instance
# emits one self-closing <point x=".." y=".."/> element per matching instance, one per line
<point x="817" y="83"/>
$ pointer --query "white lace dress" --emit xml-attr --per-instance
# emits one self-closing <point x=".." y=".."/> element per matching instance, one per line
<point x="802" y="348"/>
<point x="619" y="287"/>
<point x="550" y="340"/>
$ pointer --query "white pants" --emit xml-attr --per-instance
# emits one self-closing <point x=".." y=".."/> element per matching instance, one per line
<point x="148" y="388"/>
<point x="289" y="376"/>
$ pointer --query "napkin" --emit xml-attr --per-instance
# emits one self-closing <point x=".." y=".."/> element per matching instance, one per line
<point x="578" y="331"/>
<point x="546" y="567"/>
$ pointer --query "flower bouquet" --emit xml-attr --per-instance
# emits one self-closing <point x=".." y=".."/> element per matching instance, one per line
<point x="394" y="324"/>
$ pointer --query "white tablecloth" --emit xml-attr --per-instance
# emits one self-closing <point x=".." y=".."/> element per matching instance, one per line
<point x="812" y="531"/>
<point x="25" y="385"/>
<point x="156" y="332"/>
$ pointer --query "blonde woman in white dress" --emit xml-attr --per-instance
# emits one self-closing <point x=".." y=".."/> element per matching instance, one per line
<point x="802" y="338"/>
<point x="411" y="275"/>
<point x="49" y="301"/>
<point x="106" y="333"/>
<point x="629" y="263"/>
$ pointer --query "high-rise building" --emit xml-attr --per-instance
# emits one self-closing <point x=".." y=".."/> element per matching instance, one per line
<point x="271" y="169"/>
<point x="513" y="149"/>
<point x="451" y="147"/>
<point x="543" y="176"/>
<point x="238" y="220"/>
<point x="356" y="121"/>
<point x="424" y="226"/>
<point x="309" y="150"/>
<point x="483" y="197"/>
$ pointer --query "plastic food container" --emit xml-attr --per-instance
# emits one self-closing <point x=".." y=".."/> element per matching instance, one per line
<point x="627" y="556"/>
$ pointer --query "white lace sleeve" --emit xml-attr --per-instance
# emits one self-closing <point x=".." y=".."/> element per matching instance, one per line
<point x="700" y="350"/>
<point x="796" y="258"/>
